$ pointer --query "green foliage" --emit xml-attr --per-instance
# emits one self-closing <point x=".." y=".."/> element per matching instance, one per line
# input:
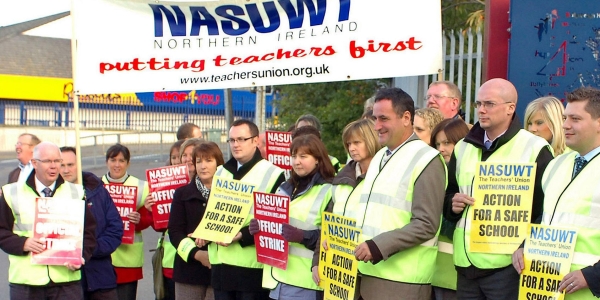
<point x="335" y="104"/>
<point x="460" y="14"/>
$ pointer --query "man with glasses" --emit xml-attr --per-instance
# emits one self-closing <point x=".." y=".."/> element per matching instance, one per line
<point x="24" y="149"/>
<point x="17" y="209"/>
<point x="445" y="97"/>
<point x="235" y="272"/>
<point x="498" y="136"/>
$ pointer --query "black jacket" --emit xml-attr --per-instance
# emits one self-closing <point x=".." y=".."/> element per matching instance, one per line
<point x="475" y="137"/>
<point x="187" y="210"/>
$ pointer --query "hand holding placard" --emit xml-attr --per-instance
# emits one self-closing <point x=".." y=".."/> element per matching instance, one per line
<point x="226" y="212"/>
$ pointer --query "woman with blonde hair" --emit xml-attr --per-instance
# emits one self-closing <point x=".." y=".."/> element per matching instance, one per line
<point x="543" y="117"/>
<point x="361" y="143"/>
<point x="425" y="120"/>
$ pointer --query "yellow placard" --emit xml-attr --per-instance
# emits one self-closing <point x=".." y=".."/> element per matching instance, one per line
<point x="338" y="268"/>
<point x="227" y="210"/>
<point x="548" y="254"/>
<point x="503" y="195"/>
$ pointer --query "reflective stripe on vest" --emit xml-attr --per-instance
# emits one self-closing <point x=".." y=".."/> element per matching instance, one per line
<point x="170" y="252"/>
<point x="263" y="175"/>
<point x="346" y="200"/>
<point x="310" y="223"/>
<point x="467" y="156"/>
<point x="575" y="203"/>
<point x="445" y="247"/>
<point x="131" y="255"/>
<point x="305" y="213"/>
<point x="445" y="272"/>
<point x="21" y="199"/>
<point x="387" y="195"/>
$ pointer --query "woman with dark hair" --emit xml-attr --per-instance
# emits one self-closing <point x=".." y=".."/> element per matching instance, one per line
<point x="443" y="138"/>
<point x="128" y="259"/>
<point x="192" y="269"/>
<point x="446" y="134"/>
<point x="174" y="154"/>
<point x="309" y="186"/>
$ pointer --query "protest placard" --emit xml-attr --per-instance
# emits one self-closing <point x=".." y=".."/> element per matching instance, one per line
<point x="338" y="268"/>
<point x="547" y="255"/>
<point x="278" y="150"/>
<point x="503" y="193"/>
<point x="163" y="182"/>
<point x="271" y="211"/>
<point x="124" y="197"/>
<point x="237" y="43"/>
<point x="228" y="208"/>
<point x="59" y="225"/>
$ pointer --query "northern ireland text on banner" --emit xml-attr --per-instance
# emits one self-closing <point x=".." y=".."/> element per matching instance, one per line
<point x="233" y="43"/>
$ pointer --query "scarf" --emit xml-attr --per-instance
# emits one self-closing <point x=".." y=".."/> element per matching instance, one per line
<point x="203" y="190"/>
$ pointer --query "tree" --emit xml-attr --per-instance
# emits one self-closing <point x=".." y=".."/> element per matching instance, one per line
<point x="334" y="103"/>
<point x="460" y="14"/>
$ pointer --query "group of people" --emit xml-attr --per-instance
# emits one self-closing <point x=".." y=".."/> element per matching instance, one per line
<point x="408" y="183"/>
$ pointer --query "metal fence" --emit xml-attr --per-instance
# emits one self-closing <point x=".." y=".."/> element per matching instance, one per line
<point x="463" y="54"/>
<point x="142" y="145"/>
<point x="114" y="116"/>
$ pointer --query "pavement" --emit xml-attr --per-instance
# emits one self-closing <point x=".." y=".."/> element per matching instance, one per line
<point x="93" y="160"/>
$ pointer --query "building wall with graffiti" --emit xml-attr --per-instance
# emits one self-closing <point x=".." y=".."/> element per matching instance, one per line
<point x="554" y="47"/>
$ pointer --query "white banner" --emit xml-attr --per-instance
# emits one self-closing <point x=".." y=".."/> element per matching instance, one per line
<point x="126" y="46"/>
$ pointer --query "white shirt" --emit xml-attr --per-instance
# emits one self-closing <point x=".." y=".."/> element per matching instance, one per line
<point x="39" y="186"/>
<point x="590" y="154"/>
<point x="25" y="171"/>
<point x="487" y="138"/>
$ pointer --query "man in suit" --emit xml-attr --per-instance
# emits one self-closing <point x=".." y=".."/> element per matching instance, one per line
<point x="24" y="148"/>
<point x="28" y="281"/>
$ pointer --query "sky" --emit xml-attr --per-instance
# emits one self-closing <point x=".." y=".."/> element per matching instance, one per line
<point x="24" y="10"/>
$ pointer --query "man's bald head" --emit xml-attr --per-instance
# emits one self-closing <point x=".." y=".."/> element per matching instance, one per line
<point x="44" y="147"/>
<point x="46" y="162"/>
<point x="504" y="89"/>
<point x="496" y="104"/>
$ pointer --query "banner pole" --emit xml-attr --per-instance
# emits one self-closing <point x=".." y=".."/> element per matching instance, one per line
<point x="75" y="95"/>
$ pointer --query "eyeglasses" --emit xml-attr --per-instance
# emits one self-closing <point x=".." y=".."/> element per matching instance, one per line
<point x="21" y="144"/>
<point x="488" y="104"/>
<point x="437" y="97"/>
<point x="49" y="161"/>
<point x="239" y="140"/>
